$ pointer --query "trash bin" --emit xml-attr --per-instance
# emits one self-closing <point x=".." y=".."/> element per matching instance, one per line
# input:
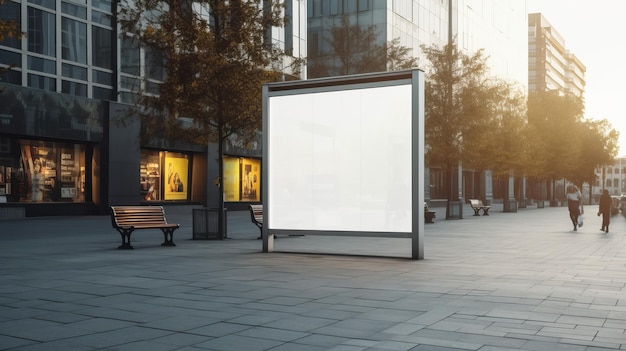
<point x="206" y="224"/>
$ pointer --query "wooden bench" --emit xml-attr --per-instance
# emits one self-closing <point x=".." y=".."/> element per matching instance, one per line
<point x="478" y="205"/>
<point x="256" y="215"/>
<point x="428" y="214"/>
<point x="126" y="219"/>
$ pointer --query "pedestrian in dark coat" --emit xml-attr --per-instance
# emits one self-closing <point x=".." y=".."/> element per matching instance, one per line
<point x="605" y="210"/>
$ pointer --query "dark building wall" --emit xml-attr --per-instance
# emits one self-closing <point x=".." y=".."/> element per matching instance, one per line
<point x="123" y="159"/>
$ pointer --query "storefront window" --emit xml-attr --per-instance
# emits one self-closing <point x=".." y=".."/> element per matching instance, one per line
<point x="37" y="171"/>
<point x="164" y="176"/>
<point x="242" y="179"/>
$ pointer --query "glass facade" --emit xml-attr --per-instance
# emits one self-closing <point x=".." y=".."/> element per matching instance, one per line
<point x="497" y="26"/>
<point x="60" y="56"/>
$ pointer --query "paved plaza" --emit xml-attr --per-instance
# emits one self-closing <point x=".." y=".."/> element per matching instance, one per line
<point x="508" y="281"/>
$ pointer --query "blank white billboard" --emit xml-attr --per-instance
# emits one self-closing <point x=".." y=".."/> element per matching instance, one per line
<point x="341" y="160"/>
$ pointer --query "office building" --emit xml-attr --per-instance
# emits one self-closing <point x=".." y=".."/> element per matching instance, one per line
<point x="64" y="146"/>
<point x="498" y="27"/>
<point x="551" y="66"/>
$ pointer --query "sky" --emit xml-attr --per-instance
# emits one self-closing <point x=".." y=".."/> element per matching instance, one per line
<point x="594" y="31"/>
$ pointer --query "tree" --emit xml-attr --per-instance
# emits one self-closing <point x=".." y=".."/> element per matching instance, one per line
<point x="504" y="140"/>
<point x="216" y="54"/>
<point x="554" y="118"/>
<point x="399" y="57"/>
<point x="463" y="108"/>
<point x="598" y="147"/>
<point x="8" y="29"/>
<point x="355" y="49"/>
<point x="565" y="145"/>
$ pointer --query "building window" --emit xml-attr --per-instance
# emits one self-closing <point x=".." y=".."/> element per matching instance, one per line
<point x="42" y="65"/>
<point x="51" y="4"/>
<point x="101" y="47"/>
<point x="155" y="66"/>
<point x="74" y="41"/>
<point x="74" y="10"/>
<point x="75" y="72"/>
<point x="10" y="58"/>
<point x="104" y="78"/>
<point x="74" y="88"/>
<point x="130" y="56"/>
<point x="103" y="94"/>
<point x="41" y="32"/>
<point x="11" y="13"/>
<point x="41" y="82"/>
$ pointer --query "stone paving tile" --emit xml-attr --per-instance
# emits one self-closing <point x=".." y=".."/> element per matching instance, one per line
<point x="180" y="340"/>
<point x="181" y="323"/>
<point x="145" y="346"/>
<point x="219" y="329"/>
<point x="97" y="325"/>
<point x="300" y="323"/>
<point x="548" y="346"/>
<point x="113" y="338"/>
<point x="404" y="329"/>
<point x="298" y="347"/>
<point x="9" y="342"/>
<point x="445" y="344"/>
<point x="272" y="334"/>
<point x="237" y="343"/>
<point x="321" y="340"/>
<point x="578" y="320"/>
<point x="590" y="343"/>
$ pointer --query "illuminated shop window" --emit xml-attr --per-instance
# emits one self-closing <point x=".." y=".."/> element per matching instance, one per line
<point x="242" y="179"/>
<point x="45" y="172"/>
<point x="164" y="176"/>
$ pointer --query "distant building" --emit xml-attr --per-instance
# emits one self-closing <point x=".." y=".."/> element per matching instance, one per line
<point x="550" y="65"/>
<point x="610" y="177"/>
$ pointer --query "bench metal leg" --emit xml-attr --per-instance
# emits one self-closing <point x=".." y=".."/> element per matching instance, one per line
<point x="476" y="211"/>
<point x="125" y="233"/>
<point x="169" y="236"/>
<point x="485" y="211"/>
<point x="428" y="216"/>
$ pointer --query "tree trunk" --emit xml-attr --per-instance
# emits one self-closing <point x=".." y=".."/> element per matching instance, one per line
<point x="220" y="220"/>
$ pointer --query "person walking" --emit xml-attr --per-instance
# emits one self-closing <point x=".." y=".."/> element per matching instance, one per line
<point x="605" y="210"/>
<point x="574" y="204"/>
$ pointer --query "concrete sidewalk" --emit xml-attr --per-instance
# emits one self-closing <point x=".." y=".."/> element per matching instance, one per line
<point x="508" y="281"/>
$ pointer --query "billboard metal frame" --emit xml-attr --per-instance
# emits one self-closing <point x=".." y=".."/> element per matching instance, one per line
<point x="414" y="78"/>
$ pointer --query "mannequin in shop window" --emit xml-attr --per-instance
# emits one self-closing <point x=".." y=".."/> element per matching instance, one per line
<point x="151" y="194"/>
<point x="176" y="184"/>
<point x="37" y="181"/>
